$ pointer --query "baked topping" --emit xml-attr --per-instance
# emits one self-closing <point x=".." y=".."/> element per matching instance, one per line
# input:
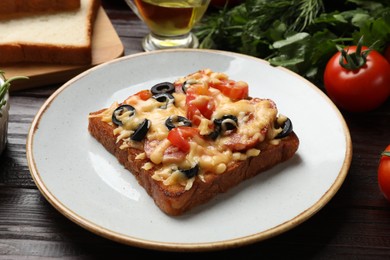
<point x="286" y="124"/>
<point x="141" y="131"/>
<point x="161" y="88"/>
<point x="176" y="121"/>
<point x="200" y="124"/>
<point x="165" y="98"/>
<point x="122" y="112"/>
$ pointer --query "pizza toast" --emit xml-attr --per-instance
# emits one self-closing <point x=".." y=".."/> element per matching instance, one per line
<point x="188" y="141"/>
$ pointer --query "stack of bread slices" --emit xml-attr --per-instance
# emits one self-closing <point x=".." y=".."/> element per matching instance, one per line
<point x="47" y="31"/>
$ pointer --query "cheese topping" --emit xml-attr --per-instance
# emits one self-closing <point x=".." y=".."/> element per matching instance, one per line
<point x="248" y="122"/>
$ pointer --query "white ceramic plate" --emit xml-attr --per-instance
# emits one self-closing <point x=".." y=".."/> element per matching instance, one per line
<point x="87" y="184"/>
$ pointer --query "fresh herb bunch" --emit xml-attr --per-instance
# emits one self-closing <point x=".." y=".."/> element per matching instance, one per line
<point x="300" y="35"/>
<point x="5" y="87"/>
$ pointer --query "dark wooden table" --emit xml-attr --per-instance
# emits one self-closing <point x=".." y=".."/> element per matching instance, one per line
<point x="354" y="224"/>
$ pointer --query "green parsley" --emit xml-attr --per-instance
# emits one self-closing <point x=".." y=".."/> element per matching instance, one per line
<point x="300" y="35"/>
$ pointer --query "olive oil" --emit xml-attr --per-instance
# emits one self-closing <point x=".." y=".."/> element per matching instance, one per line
<point x="171" y="17"/>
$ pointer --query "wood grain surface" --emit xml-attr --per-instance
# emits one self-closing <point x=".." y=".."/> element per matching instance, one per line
<point x="355" y="224"/>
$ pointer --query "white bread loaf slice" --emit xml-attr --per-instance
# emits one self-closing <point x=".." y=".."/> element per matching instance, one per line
<point x="19" y="8"/>
<point x="60" y="38"/>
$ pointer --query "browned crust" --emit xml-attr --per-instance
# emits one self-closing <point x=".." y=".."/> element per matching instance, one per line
<point x="25" y="52"/>
<point x="15" y="52"/>
<point x="10" y="9"/>
<point x="174" y="200"/>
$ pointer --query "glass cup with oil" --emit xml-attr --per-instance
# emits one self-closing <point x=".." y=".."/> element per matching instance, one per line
<point x="170" y="22"/>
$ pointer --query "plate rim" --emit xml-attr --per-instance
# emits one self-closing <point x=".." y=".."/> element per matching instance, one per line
<point x="174" y="246"/>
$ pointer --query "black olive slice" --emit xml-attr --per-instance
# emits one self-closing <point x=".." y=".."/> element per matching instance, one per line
<point x="164" y="87"/>
<point x="120" y="111"/>
<point x="165" y="98"/>
<point x="227" y="122"/>
<point x="186" y="84"/>
<point x="214" y="134"/>
<point x="175" y="121"/>
<point x="287" y="129"/>
<point x="189" y="173"/>
<point x="184" y="87"/>
<point x="141" y="131"/>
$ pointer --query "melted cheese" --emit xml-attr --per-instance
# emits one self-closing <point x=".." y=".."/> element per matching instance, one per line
<point x="255" y="118"/>
<point x="157" y="155"/>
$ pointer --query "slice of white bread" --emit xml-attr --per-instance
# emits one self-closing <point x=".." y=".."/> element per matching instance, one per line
<point x="183" y="163"/>
<point x="19" y="8"/>
<point x="59" y="38"/>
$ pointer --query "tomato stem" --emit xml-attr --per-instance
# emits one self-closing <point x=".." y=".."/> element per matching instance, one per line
<point x="355" y="60"/>
<point x="386" y="153"/>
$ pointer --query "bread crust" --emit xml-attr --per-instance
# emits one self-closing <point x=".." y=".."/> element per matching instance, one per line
<point x="174" y="200"/>
<point x="24" y="51"/>
<point x="45" y="53"/>
<point x="10" y="9"/>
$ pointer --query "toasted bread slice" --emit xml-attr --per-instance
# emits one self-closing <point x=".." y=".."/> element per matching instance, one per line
<point x="222" y="160"/>
<point x="55" y="38"/>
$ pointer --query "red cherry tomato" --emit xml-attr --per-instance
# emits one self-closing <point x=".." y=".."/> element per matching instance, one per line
<point x="205" y="105"/>
<point x="358" y="90"/>
<point x="180" y="136"/>
<point x="194" y="114"/>
<point x="144" y="94"/>
<point x="384" y="173"/>
<point x="198" y="105"/>
<point x="232" y="89"/>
